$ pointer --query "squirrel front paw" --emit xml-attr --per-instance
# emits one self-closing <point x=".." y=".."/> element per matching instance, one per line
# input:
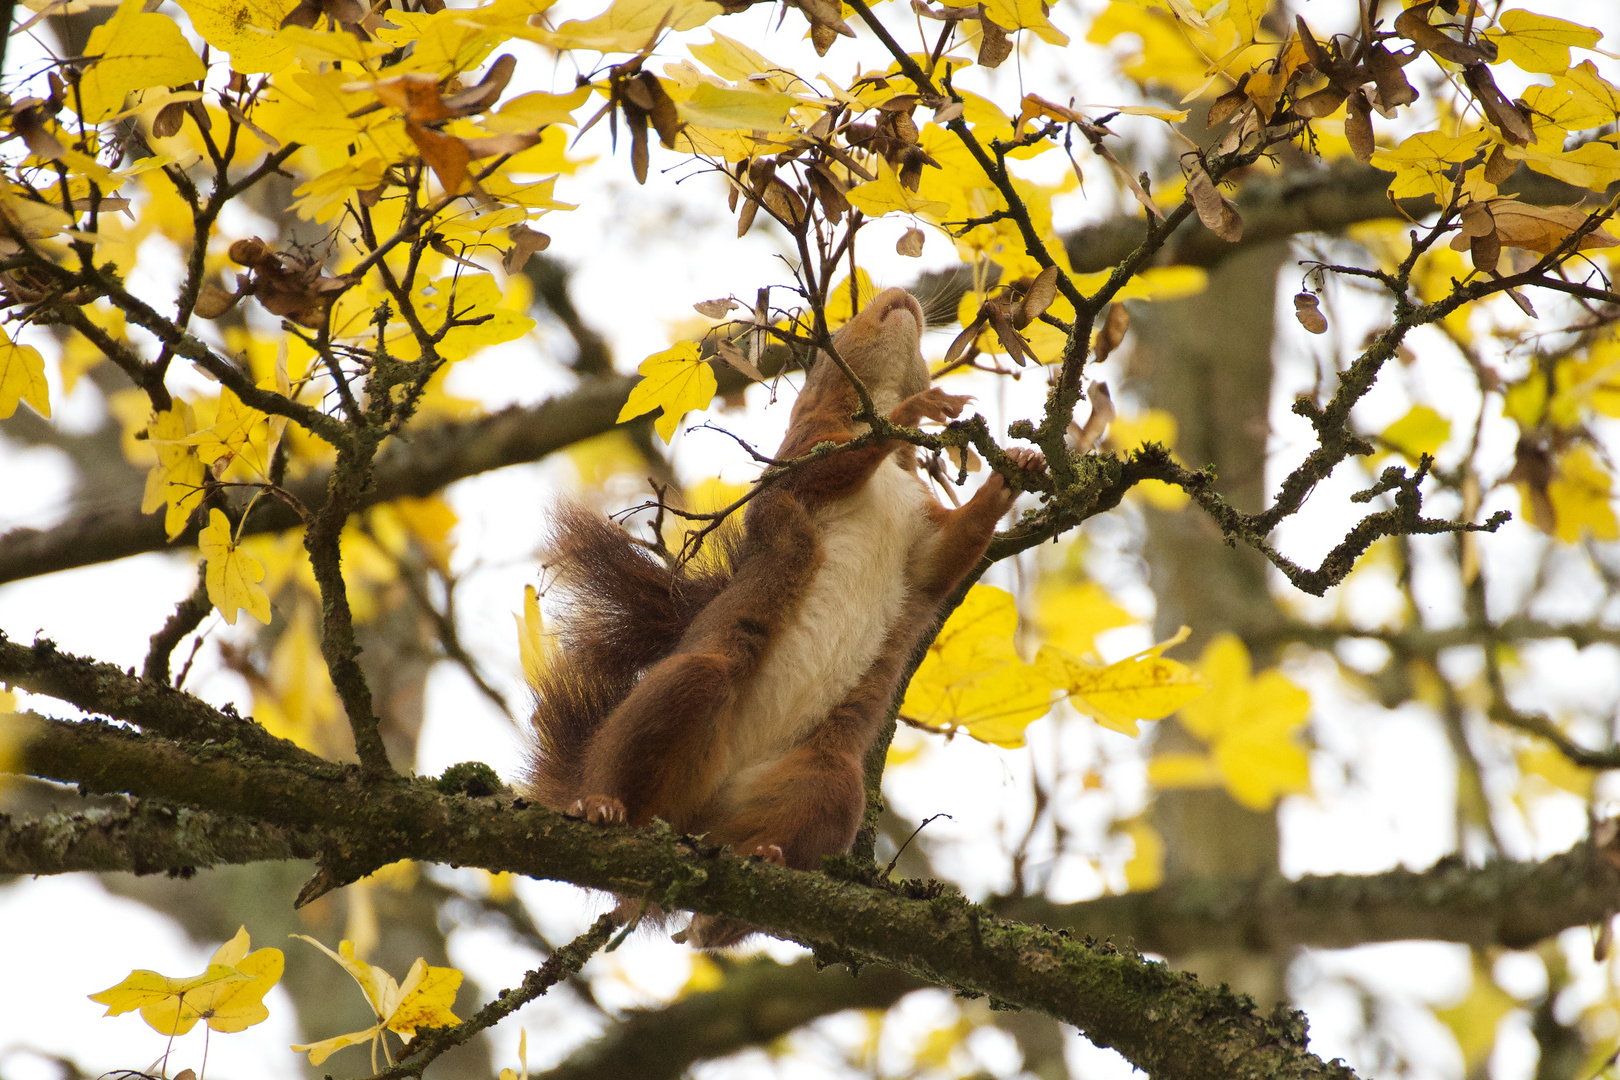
<point x="996" y="488"/>
<point x="598" y="810"/>
<point x="931" y="404"/>
<point x="1028" y="458"/>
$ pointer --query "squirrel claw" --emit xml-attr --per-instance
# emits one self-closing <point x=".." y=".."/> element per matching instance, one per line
<point x="1027" y="458"/>
<point x="598" y="810"/>
<point x="771" y="853"/>
<point x="930" y="404"/>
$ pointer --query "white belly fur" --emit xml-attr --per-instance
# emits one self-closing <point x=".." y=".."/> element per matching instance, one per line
<point x="856" y="597"/>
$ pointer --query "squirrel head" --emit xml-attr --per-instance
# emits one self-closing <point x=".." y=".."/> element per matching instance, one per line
<point x="882" y="346"/>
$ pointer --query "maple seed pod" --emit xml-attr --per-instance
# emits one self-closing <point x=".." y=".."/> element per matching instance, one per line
<point x="249" y="252"/>
<point x="1309" y="315"/>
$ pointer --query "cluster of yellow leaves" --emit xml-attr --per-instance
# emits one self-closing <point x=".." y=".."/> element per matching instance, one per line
<point x="422" y="1000"/>
<point x="229" y="996"/>
<point x="1565" y="486"/>
<point x="1250" y="726"/>
<point x="973" y="679"/>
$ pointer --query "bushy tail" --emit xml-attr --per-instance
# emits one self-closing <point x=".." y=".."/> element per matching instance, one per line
<point x="624" y="611"/>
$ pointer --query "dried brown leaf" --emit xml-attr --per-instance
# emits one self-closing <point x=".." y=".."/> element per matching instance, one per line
<point x="734" y="356"/>
<point x="1042" y="291"/>
<point x="1308" y="313"/>
<point x="1112" y="333"/>
<point x="1215" y="210"/>
<point x="911" y="243"/>
<point x="1358" y="131"/>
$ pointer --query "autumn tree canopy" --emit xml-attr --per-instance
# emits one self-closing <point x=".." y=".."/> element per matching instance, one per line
<point x="283" y="256"/>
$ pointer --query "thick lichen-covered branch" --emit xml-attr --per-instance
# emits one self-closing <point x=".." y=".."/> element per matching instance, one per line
<point x="107" y="690"/>
<point x="142" y="836"/>
<point x="1164" y="1022"/>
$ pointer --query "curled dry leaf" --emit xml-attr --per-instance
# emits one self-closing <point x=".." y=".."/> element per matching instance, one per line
<point x="1037" y="298"/>
<point x="213" y="301"/>
<point x="1308" y="313"/>
<point x="911" y="243"/>
<point x="735" y="357"/>
<point x="1358" y="127"/>
<point x="525" y="242"/>
<point x="288" y="283"/>
<point x="1215" y="210"/>
<point x="1388" y="72"/>
<point x="1323" y="102"/>
<point x="1413" y="25"/>
<point x="166" y="123"/>
<point x="1498" y="109"/>
<point x="1498" y="167"/>
<point x="994" y="44"/>
<point x="715" y="309"/>
<point x="1227" y="105"/>
<point x="1102" y="414"/>
<point x="1112" y="333"/>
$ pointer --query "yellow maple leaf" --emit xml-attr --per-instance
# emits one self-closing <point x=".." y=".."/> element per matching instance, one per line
<point x="1422" y="162"/>
<point x="1070" y="616"/>
<point x="536" y="109"/>
<point x="133" y="50"/>
<point x="1540" y="43"/>
<point x="176" y="481"/>
<point x="1025" y="15"/>
<point x="678" y="380"/>
<point x="1143" y="686"/>
<point x="246" y="30"/>
<point x="885" y="194"/>
<point x="229" y="996"/>
<point x="973" y="677"/>
<point x="1580" y="498"/>
<point x="422" y="1000"/>
<point x="626" y="26"/>
<point x="1249" y="725"/>
<point x="725" y="108"/>
<point x="231" y="433"/>
<point x="232" y="576"/>
<point x="1420" y="431"/>
<point x="296" y="699"/>
<point x="22" y="378"/>
<point x="531" y="636"/>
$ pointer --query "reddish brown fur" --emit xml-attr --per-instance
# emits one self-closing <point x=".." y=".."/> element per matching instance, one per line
<point x="633" y="723"/>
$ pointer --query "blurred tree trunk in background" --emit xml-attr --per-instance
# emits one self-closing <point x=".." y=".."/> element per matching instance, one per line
<point x="1206" y="360"/>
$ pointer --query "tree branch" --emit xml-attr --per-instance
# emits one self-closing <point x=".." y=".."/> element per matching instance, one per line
<point x="759" y="1002"/>
<point x="1510" y="904"/>
<point x="1165" y="1022"/>
<point x="142" y="837"/>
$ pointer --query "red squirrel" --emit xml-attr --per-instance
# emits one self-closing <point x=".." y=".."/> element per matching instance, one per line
<point x="740" y="703"/>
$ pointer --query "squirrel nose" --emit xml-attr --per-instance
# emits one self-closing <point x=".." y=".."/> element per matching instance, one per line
<point x="888" y="301"/>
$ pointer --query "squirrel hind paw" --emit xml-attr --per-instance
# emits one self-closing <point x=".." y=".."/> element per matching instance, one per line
<point x="598" y="810"/>
<point x="714" y="932"/>
<point x="771" y="853"/>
